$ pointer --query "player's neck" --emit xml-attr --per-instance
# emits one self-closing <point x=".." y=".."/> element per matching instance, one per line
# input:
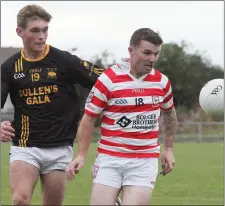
<point x="137" y="75"/>
<point x="32" y="54"/>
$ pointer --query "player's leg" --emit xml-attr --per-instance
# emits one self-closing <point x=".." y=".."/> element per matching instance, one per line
<point x="103" y="194"/>
<point x="23" y="174"/>
<point x="139" y="181"/>
<point x="136" y="195"/>
<point x="53" y="177"/>
<point x="107" y="180"/>
<point x="53" y="187"/>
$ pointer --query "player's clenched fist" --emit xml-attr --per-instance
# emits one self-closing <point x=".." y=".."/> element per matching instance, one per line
<point x="7" y="131"/>
<point x="74" y="167"/>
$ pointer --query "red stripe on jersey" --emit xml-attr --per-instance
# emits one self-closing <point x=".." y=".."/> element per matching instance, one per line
<point x="132" y="108"/>
<point x="166" y="89"/>
<point x="110" y="73"/>
<point x="137" y="92"/>
<point x="102" y="88"/>
<point x="133" y="135"/>
<point x="98" y="102"/>
<point x="122" y="78"/>
<point x="153" y="78"/>
<point x="107" y="120"/>
<point x="131" y="147"/>
<point x="90" y="113"/>
<point x="128" y="155"/>
<point x="168" y="98"/>
<point x="118" y="78"/>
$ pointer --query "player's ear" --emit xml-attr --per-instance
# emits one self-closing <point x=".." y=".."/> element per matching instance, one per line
<point x="130" y="50"/>
<point x="19" y="31"/>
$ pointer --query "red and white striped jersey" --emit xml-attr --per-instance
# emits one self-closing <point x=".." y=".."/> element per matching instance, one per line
<point x="130" y="110"/>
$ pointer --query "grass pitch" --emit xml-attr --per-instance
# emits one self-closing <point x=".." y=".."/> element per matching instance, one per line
<point x="198" y="178"/>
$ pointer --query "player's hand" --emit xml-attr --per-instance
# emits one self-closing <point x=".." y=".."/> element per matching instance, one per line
<point x="167" y="161"/>
<point x="7" y="131"/>
<point x="74" y="167"/>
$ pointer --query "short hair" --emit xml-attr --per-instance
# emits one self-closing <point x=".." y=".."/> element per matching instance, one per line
<point x="145" y="34"/>
<point x="31" y="12"/>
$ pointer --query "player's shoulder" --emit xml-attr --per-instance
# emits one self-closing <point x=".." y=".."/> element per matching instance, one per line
<point x="10" y="62"/>
<point x="119" y="68"/>
<point x="58" y="52"/>
<point x="114" y="71"/>
<point x="65" y="57"/>
<point x="161" y="76"/>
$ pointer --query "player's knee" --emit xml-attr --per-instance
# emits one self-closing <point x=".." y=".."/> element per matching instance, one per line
<point x="97" y="200"/>
<point x="103" y="195"/>
<point x="21" y="198"/>
<point x="136" y="195"/>
<point x="144" y="201"/>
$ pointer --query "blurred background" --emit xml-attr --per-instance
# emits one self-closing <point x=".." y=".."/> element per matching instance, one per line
<point x="192" y="54"/>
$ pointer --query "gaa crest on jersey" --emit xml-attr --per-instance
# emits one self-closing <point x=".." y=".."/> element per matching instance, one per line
<point x="19" y="75"/>
<point x="121" y="101"/>
<point x="155" y="100"/>
<point x="52" y="73"/>
<point x="90" y="96"/>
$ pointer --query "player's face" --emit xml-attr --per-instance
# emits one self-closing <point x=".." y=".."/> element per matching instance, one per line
<point x="144" y="56"/>
<point x="34" y="36"/>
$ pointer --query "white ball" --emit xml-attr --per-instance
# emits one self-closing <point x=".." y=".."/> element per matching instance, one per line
<point x="211" y="97"/>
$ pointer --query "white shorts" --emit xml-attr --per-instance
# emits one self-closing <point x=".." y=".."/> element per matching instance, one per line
<point x="118" y="171"/>
<point x="45" y="159"/>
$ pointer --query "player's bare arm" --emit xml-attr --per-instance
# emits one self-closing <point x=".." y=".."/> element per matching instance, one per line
<point x="169" y="131"/>
<point x="84" y="134"/>
<point x="169" y="127"/>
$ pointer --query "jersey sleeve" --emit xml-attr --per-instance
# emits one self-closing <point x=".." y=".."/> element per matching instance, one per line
<point x="5" y="83"/>
<point x="81" y="71"/>
<point x="99" y="96"/>
<point x="168" y="97"/>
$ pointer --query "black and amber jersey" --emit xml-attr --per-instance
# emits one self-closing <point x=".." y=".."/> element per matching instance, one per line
<point x="44" y="97"/>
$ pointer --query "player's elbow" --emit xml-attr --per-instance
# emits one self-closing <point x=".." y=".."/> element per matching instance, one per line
<point x="88" y="121"/>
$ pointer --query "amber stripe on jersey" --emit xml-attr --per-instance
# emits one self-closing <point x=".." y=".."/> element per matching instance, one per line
<point x="16" y="67"/>
<point x="98" y="71"/>
<point x="19" y="65"/>
<point x="28" y="131"/>
<point x="24" y="131"/>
